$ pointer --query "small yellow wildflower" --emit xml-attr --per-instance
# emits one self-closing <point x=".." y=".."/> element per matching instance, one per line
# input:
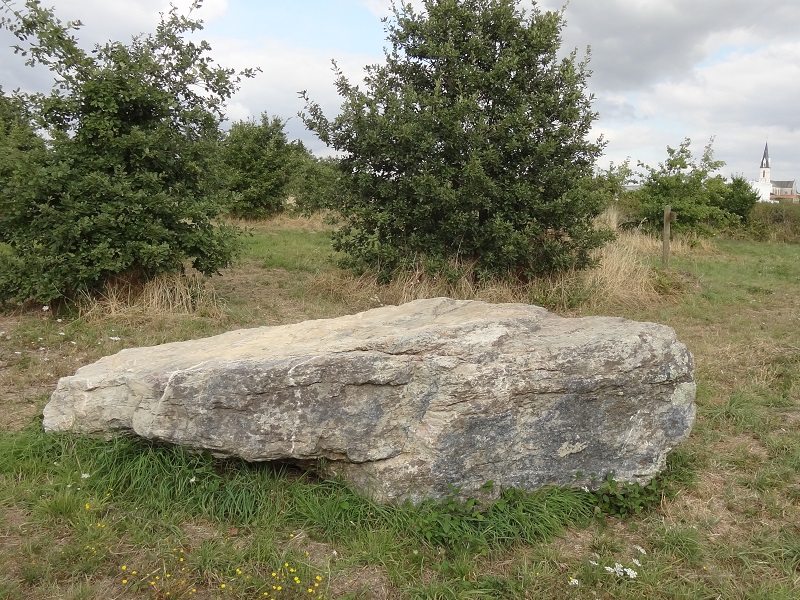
<point x="124" y="581"/>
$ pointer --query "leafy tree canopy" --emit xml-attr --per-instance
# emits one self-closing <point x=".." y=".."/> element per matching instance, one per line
<point x="119" y="186"/>
<point x="705" y="202"/>
<point x="469" y="144"/>
<point x="261" y="166"/>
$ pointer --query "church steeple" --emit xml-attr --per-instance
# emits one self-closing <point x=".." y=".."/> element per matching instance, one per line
<point x="764" y="174"/>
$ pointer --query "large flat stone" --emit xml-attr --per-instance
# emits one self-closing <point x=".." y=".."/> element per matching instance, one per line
<point x="404" y="401"/>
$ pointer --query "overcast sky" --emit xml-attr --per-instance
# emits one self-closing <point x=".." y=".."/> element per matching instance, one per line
<point x="663" y="70"/>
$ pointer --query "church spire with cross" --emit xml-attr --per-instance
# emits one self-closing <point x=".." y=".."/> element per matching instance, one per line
<point x="764" y="176"/>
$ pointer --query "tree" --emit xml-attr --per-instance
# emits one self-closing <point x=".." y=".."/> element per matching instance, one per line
<point x="739" y="198"/>
<point x="688" y="186"/>
<point x="18" y="141"/>
<point x="261" y="165"/>
<point x="469" y="144"/>
<point x="120" y="187"/>
<point x="315" y="184"/>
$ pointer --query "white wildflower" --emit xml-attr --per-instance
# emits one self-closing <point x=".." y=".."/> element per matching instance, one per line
<point x="573" y="581"/>
<point x="114" y="338"/>
<point x="639" y="549"/>
<point x="616" y="569"/>
<point x="59" y="320"/>
<point x="61" y="333"/>
<point x="636" y="562"/>
<point x="193" y="479"/>
<point x="45" y="308"/>
<point x="591" y="562"/>
<point x="84" y="476"/>
<point x="631" y="573"/>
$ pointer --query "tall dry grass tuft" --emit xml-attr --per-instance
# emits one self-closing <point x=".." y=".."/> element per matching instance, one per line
<point x="170" y="294"/>
<point x="624" y="275"/>
<point x="288" y="221"/>
<point x="362" y="292"/>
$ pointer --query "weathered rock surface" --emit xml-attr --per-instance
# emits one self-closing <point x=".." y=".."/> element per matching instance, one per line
<point x="404" y="400"/>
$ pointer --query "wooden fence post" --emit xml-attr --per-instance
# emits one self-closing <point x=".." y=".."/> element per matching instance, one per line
<point x="669" y="216"/>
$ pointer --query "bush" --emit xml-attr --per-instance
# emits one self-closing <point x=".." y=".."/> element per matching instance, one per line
<point x="775" y="222"/>
<point x="687" y="186"/>
<point x="704" y="203"/>
<point x="317" y="184"/>
<point x="739" y="198"/>
<point x="468" y="146"/>
<point x="120" y="183"/>
<point x="260" y="165"/>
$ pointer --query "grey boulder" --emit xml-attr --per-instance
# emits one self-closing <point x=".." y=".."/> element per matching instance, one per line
<point x="406" y="402"/>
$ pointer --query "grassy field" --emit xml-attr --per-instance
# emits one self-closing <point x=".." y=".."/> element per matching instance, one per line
<point x="88" y="519"/>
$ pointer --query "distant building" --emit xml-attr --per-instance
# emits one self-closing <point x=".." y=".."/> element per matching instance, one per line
<point x="785" y="190"/>
<point x="772" y="190"/>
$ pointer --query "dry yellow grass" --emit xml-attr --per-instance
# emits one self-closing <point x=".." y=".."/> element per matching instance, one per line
<point x="177" y="294"/>
<point x="624" y="275"/>
<point x="288" y="221"/>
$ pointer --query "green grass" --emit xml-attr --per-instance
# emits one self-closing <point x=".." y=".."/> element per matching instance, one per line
<point x="129" y="501"/>
<point x="724" y="522"/>
<point x="292" y="251"/>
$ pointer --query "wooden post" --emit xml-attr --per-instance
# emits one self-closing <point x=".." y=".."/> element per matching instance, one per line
<point x="669" y="216"/>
